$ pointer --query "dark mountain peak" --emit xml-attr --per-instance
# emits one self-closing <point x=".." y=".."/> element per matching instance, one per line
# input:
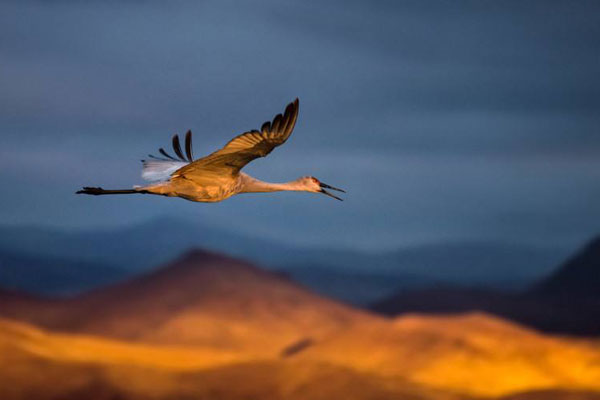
<point x="188" y="300"/>
<point x="201" y="259"/>
<point x="195" y="273"/>
<point x="577" y="277"/>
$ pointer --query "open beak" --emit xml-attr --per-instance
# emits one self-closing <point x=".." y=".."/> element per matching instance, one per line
<point x="325" y="186"/>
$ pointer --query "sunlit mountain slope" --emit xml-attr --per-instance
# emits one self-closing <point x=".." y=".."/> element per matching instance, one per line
<point x="473" y="353"/>
<point x="200" y="299"/>
<point x="192" y="328"/>
<point x="35" y="364"/>
<point x="418" y="358"/>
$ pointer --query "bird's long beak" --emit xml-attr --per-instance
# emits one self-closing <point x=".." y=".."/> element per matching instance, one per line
<point x="326" y="186"/>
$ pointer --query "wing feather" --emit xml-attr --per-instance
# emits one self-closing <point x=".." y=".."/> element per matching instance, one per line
<point x="177" y="147"/>
<point x="266" y="127"/>
<point x="188" y="146"/>
<point x="276" y="123"/>
<point x="164" y="153"/>
<point x="246" y="147"/>
<point x="290" y="116"/>
<point x="158" y="168"/>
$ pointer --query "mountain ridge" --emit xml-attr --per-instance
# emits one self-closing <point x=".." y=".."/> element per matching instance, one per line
<point x="225" y="300"/>
<point x="205" y="320"/>
<point x="146" y="246"/>
<point x="567" y="301"/>
<point x="53" y="275"/>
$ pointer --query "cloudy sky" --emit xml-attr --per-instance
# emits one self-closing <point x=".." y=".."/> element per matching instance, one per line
<point x="444" y="120"/>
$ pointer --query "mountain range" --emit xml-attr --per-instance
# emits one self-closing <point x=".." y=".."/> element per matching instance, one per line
<point x="184" y="301"/>
<point x="208" y="326"/>
<point x="57" y="276"/>
<point x="332" y="272"/>
<point x="567" y="301"/>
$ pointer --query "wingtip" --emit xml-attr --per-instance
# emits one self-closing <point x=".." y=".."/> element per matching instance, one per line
<point x="294" y="103"/>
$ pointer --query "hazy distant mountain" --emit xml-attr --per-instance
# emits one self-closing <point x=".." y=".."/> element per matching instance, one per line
<point x="145" y="246"/>
<point x="137" y="247"/>
<point x="148" y="245"/>
<point x="366" y="279"/>
<point x="499" y="265"/>
<point x="568" y="301"/>
<point x="47" y="275"/>
<point x="358" y="287"/>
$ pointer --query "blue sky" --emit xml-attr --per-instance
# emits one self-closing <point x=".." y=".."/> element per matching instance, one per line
<point x="444" y="120"/>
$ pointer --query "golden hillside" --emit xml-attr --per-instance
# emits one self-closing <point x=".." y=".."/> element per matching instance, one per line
<point x="463" y="357"/>
<point x="202" y="299"/>
<point x="208" y="326"/>
<point x="473" y="353"/>
<point x="36" y="364"/>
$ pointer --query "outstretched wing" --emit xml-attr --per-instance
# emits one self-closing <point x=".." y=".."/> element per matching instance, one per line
<point x="161" y="168"/>
<point x="246" y="147"/>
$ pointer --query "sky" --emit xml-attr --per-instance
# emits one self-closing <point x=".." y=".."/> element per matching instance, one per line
<point x="444" y="120"/>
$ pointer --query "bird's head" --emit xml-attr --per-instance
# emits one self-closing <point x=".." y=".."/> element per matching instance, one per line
<point x="312" y="184"/>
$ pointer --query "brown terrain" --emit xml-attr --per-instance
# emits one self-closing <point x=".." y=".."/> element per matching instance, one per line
<point x="202" y="299"/>
<point x="212" y="327"/>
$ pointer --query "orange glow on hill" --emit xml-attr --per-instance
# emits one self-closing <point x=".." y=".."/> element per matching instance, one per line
<point x="474" y="355"/>
<point x="205" y="321"/>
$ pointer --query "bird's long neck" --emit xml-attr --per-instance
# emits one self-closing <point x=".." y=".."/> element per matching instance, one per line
<point x="253" y="185"/>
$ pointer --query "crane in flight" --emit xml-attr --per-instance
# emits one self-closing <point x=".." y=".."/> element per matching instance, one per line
<point x="218" y="176"/>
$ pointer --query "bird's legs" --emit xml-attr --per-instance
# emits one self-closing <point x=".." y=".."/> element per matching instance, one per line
<point x="96" y="191"/>
<point x="160" y="189"/>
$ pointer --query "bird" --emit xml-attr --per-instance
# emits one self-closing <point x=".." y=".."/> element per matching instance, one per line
<point x="218" y="176"/>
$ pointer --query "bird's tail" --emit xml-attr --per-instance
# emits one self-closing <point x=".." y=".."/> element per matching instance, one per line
<point x="96" y="191"/>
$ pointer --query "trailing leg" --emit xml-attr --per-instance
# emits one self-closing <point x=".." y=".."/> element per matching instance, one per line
<point x="96" y="191"/>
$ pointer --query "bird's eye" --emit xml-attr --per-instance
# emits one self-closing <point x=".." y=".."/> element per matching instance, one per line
<point x="315" y="180"/>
